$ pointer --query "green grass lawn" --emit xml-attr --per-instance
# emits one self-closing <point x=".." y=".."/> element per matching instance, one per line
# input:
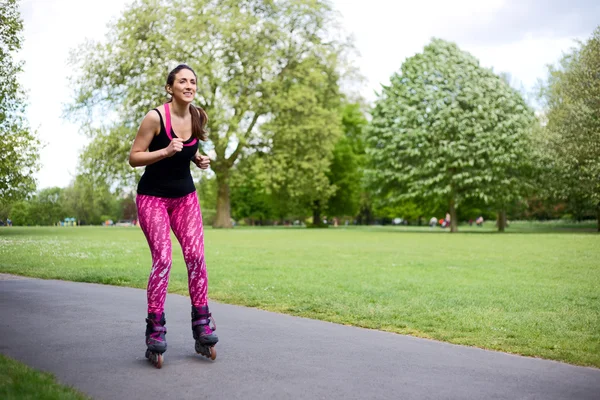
<point x="19" y="382"/>
<point x="533" y="292"/>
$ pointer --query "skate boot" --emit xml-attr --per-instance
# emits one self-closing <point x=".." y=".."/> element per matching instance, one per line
<point x="203" y="333"/>
<point x="155" y="339"/>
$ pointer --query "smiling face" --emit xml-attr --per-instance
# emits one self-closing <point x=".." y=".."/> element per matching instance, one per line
<point x="183" y="88"/>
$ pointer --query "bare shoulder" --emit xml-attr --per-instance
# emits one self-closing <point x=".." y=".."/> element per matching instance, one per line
<point x="151" y="123"/>
<point x="152" y="116"/>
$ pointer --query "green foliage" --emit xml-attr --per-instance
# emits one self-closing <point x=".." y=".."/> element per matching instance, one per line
<point x="46" y="206"/>
<point x="448" y="129"/>
<point x="344" y="174"/>
<point x="249" y="197"/>
<point x="19" y="148"/>
<point x="89" y="199"/>
<point x="354" y="124"/>
<point x="207" y="196"/>
<point x="109" y="146"/>
<point x="408" y="210"/>
<point x="254" y="59"/>
<point x="570" y="143"/>
<point x="20" y="214"/>
<point x="302" y="133"/>
<point x="4" y="210"/>
<point x="207" y="189"/>
<point x="346" y="170"/>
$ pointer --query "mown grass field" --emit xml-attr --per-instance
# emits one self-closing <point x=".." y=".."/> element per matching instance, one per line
<point x="533" y="291"/>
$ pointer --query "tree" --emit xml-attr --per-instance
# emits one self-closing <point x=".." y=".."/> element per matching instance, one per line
<point x="302" y="134"/>
<point x="345" y="172"/>
<point x="446" y="128"/>
<point x="4" y="210"/>
<point x="88" y="199"/>
<point x="207" y="196"/>
<point x="249" y="196"/>
<point x="46" y="207"/>
<point x="19" y="148"/>
<point x="43" y="208"/>
<point x="126" y="207"/>
<point x="571" y="141"/>
<point x="244" y="52"/>
<point x="408" y="210"/>
<point x="20" y="213"/>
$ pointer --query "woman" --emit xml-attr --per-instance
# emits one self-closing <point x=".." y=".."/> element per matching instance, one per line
<point x="166" y="142"/>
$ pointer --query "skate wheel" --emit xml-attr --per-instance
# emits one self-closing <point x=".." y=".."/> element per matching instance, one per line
<point x="156" y="359"/>
<point x="213" y="353"/>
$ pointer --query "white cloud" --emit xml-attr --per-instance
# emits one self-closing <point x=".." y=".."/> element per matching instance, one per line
<point x="510" y="36"/>
<point x="387" y="32"/>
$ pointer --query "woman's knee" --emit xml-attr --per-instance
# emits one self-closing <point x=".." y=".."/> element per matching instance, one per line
<point x="162" y="262"/>
<point x="195" y="260"/>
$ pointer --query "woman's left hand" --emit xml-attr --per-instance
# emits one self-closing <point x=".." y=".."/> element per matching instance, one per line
<point x="202" y="162"/>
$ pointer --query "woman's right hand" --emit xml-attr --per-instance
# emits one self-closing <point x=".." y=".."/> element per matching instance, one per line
<point x="174" y="147"/>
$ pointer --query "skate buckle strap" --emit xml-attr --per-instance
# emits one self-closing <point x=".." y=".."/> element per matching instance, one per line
<point x="158" y="328"/>
<point x="205" y="321"/>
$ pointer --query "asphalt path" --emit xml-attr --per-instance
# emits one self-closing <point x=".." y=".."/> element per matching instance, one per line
<point x="92" y="337"/>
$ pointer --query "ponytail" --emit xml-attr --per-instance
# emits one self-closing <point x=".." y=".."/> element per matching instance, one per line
<point x="199" y="121"/>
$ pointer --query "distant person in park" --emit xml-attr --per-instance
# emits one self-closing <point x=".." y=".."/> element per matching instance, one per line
<point x="433" y="222"/>
<point x="166" y="142"/>
<point x="479" y="221"/>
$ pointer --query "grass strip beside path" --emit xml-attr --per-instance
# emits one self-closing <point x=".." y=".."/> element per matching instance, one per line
<point x="19" y="382"/>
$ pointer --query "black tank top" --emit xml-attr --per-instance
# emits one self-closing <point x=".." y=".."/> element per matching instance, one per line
<point x="171" y="176"/>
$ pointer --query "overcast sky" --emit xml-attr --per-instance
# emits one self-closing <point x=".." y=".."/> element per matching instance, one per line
<point x="518" y="37"/>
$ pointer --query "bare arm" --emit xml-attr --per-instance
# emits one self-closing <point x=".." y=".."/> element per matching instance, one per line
<point x="139" y="155"/>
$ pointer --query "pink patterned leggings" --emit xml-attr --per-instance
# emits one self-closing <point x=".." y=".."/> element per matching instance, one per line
<point x="157" y="215"/>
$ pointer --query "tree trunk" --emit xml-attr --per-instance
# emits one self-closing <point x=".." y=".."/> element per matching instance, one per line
<point x="223" y="217"/>
<point x="501" y="220"/>
<point x="317" y="213"/>
<point x="453" y="221"/>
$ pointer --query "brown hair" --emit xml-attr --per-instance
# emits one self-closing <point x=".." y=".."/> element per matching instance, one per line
<point x="199" y="117"/>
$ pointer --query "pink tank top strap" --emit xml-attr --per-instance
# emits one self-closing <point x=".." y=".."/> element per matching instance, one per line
<point x="168" y="126"/>
<point x="168" y="121"/>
